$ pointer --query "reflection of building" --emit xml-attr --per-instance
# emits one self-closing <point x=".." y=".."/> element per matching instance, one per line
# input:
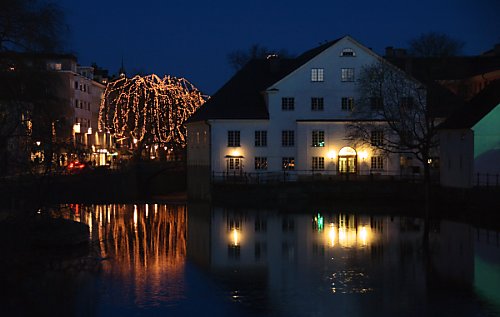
<point x="314" y="256"/>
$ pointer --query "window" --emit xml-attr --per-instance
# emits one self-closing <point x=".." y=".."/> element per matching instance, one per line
<point x="76" y="84"/>
<point x="347" y="103"/>
<point x="347" y="74"/>
<point x="233" y="138"/>
<point x="348" y="52"/>
<point x="318" y="163"/>
<point x="261" y="163"/>
<point x="317" y="104"/>
<point x="260" y="225"/>
<point x="260" y="138"/>
<point x="377" y="137"/>
<point x="76" y="103"/>
<point x="287" y="138"/>
<point x="376" y="103"/>
<point x="318" y="138"/>
<point x="287" y="103"/>
<point x="288" y="163"/>
<point x="234" y="164"/>
<point x="260" y="250"/>
<point x="317" y="74"/>
<point x="377" y="163"/>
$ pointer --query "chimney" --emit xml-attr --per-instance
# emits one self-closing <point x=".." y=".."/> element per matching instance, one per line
<point x="389" y="51"/>
<point x="274" y="62"/>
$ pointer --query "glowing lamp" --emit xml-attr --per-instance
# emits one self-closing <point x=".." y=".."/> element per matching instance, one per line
<point x="235" y="153"/>
<point x="331" y="155"/>
<point x="235" y="237"/>
<point x="38" y="143"/>
<point x="363" y="155"/>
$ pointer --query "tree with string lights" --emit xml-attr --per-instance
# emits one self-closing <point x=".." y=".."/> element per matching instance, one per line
<point x="147" y="113"/>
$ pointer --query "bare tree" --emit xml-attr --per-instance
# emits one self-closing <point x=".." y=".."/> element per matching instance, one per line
<point x="435" y="44"/>
<point x="238" y="58"/>
<point x="394" y="116"/>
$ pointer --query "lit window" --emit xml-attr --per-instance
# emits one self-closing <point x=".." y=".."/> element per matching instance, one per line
<point x="318" y="163"/>
<point x="287" y="163"/>
<point x="317" y="104"/>
<point x="260" y="138"/>
<point x="347" y="103"/>
<point x="377" y="138"/>
<point x="347" y="74"/>
<point x="260" y="163"/>
<point x="318" y="138"/>
<point x="233" y="138"/>
<point x="377" y="163"/>
<point x="348" y="52"/>
<point x="317" y="74"/>
<point x="287" y="138"/>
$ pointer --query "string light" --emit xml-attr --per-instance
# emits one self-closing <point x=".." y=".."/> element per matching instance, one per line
<point x="149" y="109"/>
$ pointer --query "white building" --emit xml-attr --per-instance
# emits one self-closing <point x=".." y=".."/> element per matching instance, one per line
<point x="288" y="115"/>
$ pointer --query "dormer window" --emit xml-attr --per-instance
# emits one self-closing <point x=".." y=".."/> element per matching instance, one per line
<point x="348" y="52"/>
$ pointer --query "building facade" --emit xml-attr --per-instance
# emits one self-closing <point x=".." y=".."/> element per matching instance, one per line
<point x="287" y="116"/>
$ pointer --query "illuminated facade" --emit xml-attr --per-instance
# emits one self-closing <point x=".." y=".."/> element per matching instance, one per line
<point x="289" y="115"/>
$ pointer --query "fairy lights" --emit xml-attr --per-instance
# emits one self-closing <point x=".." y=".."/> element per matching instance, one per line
<point x="149" y="110"/>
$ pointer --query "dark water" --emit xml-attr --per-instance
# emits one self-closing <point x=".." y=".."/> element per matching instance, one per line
<point x="198" y="260"/>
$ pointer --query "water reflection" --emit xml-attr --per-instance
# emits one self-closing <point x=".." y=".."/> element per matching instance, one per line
<point x="350" y="264"/>
<point x="144" y="253"/>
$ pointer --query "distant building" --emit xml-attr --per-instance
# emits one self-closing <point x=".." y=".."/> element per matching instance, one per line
<point x="75" y="127"/>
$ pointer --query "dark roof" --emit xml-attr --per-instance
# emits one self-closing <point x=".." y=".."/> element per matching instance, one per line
<point x="476" y="109"/>
<point x="441" y="101"/>
<point x="446" y="68"/>
<point x="242" y="96"/>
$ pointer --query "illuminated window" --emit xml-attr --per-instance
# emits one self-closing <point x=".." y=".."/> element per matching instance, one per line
<point x="348" y="52"/>
<point x="260" y="138"/>
<point x="233" y="138"/>
<point x="318" y="138"/>
<point x="233" y="223"/>
<point x="347" y="74"/>
<point x="318" y="163"/>
<point x="260" y="163"/>
<point x="347" y="103"/>
<point x="287" y="163"/>
<point x="287" y="103"/>
<point x="377" y="163"/>
<point x="287" y="138"/>
<point x="376" y="103"/>
<point x="317" y="104"/>
<point x="317" y="74"/>
<point x="377" y="137"/>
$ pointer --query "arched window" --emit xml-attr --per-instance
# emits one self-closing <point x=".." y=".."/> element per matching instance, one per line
<point x="348" y="52"/>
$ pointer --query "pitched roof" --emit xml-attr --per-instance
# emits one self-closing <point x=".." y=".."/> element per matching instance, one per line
<point x="242" y="98"/>
<point x="476" y="109"/>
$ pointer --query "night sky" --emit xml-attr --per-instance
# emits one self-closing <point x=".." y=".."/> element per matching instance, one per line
<point x="191" y="39"/>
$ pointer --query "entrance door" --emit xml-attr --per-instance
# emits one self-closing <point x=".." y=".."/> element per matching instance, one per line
<point x="347" y="164"/>
<point x="347" y="160"/>
<point x="234" y="165"/>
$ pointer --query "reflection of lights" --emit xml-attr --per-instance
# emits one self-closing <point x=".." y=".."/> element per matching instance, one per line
<point x="363" y="235"/>
<point x="319" y="222"/>
<point x="135" y="216"/>
<point x="147" y="210"/>
<point x="156" y="209"/>
<point x="331" y="234"/>
<point x="235" y="237"/>
<point x="342" y="235"/>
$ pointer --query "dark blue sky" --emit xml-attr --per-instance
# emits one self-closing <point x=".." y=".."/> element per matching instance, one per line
<point x="191" y="39"/>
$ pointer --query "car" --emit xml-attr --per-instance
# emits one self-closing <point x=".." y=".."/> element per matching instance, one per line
<point x="76" y="167"/>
